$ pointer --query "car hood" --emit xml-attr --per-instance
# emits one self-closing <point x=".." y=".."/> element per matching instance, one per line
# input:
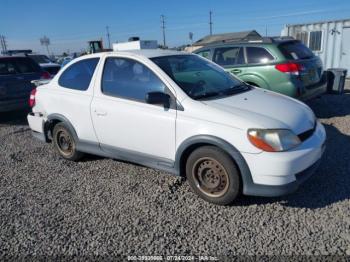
<point x="266" y="109"/>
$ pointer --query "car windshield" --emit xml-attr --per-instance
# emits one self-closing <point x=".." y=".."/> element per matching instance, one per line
<point x="40" y="59"/>
<point x="199" y="78"/>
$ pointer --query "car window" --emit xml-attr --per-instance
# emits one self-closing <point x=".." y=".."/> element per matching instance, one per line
<point x="204" y="53"/>
<point x="199" y="78"/>
<point x="129" y="79"/>
<point x="7" y="67"/>
<point x="41" y="59"/>
<point x="295" y="50"/>
<point x="78" y="75"/>
<point x="228" y="56"/>
<point x="258" y="55"/>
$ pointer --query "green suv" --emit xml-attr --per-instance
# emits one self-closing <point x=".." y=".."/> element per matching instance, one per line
<point x="282" y="65"/>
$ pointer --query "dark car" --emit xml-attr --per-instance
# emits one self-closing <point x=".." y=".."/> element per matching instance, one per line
<point x="46" y="64"/>
<point x="16" y="74"/>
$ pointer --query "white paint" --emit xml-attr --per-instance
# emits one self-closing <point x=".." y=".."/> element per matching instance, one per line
<point x="155" y="131"/>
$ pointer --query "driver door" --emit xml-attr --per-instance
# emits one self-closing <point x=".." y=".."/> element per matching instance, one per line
<point x="124" y="123"/>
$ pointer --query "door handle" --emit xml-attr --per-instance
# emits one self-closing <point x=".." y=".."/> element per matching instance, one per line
<point x="100" y="113"/>
<point x="236" y="71"/>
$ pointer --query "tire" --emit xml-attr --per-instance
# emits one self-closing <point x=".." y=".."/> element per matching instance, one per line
<point x="64" y="143"/>
<point x="213" y="175"/>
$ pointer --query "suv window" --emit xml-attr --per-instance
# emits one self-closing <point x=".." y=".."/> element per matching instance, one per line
<point x="204" y="53"/>
<point x="7" y="67"/>
<point x="78" y="75"/>
<point x="228" y="56"/>
<point x="18" y="65"/>
<point x="295" y="50"/>
<point x="127" y="78"/>
<point x="258" y="55"/>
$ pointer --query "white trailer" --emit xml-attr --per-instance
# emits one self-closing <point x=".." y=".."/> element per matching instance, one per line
<point x="330" y="40"/>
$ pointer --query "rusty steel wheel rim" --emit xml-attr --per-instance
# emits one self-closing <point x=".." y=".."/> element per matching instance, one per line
<point x="64" y="142"/>
<point x="210" y="176"/>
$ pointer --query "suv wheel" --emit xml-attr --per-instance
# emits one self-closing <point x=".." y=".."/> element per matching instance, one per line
<point x="213" y="175"/>
<point x="64" y="143"/>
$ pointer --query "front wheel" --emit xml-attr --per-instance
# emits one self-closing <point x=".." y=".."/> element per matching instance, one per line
<point x="65" y="143"/>
<point x="213" y="175"/>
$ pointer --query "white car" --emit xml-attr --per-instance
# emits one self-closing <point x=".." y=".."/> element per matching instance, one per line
<point x="183" y="114"/>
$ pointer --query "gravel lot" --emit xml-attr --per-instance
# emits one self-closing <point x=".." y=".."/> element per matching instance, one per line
<point x="52" y="207"/>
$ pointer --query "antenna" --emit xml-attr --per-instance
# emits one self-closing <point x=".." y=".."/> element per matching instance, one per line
<point x="162" y="19"/>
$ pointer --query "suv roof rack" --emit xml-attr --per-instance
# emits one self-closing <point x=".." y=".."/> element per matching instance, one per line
<point x="268" y="40"/>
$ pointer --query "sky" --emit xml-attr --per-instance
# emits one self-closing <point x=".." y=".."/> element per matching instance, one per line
<point x="69" y="24"/>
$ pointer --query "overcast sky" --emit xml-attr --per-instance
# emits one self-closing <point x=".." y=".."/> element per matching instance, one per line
<point x="70" y="24"/>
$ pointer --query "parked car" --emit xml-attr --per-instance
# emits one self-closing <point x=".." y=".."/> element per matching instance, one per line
<point x="282" y="65"/>
<point x="16" y="74"/>
<point x="46" y="64"/>
<point x="183" y="114"/>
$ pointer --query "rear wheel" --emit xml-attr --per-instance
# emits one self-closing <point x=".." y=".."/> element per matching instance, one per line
<point x="213" y="175"/>
<point x="64" y="143"/>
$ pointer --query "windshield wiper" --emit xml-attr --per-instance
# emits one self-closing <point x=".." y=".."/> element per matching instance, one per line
<point x="236" y="89"/>
<point x="207" y="95"/>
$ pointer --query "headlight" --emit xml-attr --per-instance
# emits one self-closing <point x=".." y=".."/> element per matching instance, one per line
<point x="273" y="140"/>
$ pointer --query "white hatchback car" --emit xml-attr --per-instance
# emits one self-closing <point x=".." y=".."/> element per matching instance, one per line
<point x="183" y="114"/>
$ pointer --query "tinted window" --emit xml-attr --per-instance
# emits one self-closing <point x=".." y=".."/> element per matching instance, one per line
<point x="258" y="55"/>
<point x="204" y="53"/>
<point x="199" y="78"/>
<point x="26" y="65"/>
<point x="129" y="79"/>
<point x="78" y="75"/>
<point x="228" y="56"/>
<point x="7" y="67"/>
<point x="41" y="59"/>
<point x="18" y="65"/>
<point x="295" y="50"/>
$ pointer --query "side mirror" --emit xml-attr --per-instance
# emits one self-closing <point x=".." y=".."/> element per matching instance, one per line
<point x="158" y="98"/>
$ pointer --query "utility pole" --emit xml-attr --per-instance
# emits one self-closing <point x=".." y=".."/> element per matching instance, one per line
<point x="210" y="22"/>
<point x="3" y="44"/>
<point x="162" y="19"/>
<point x="108" y="37"/>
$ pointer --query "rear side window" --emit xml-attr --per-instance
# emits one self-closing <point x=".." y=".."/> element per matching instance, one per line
<point x="204" y="53"/>
<point x="26" y="66"/>
<point x="295" y="50"/>
<point x="129" y="79"/>
<point x="258" y="55"/>
<point x="78" y="75"/>
<point x="7" y="67"/>
<point x="226" y="56"/>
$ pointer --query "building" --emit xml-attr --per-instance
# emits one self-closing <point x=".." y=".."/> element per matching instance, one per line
<point x="224" y="38"/>
<point x="330" y="40"/>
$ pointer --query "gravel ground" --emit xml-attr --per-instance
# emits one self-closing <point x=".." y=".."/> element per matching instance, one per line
<point x="52" y="207"/>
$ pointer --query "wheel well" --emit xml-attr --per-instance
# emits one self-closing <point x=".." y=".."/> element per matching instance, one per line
<point x="49" y="126"/>
<point x="187" y="152"/>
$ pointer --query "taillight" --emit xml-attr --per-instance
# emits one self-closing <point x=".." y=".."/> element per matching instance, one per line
<point x="290" y="68"/>
<point x="32" y="98"/>
<point x="45" y="75"/>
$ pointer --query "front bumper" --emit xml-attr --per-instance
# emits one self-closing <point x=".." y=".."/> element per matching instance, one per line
<point x="276" y="174"/>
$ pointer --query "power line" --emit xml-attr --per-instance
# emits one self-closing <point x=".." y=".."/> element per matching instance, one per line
<point x="162" y="18"/>
<point x="210" y="22"/>
<point x="108" y="37"/>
